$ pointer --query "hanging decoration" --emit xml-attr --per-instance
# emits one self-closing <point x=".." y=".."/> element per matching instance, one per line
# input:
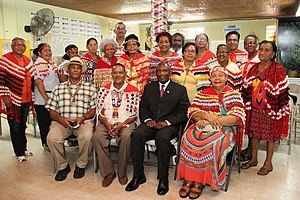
<point x="159" y="12"/>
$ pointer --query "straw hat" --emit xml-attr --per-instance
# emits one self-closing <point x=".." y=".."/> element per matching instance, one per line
<point x="75" y="61"/>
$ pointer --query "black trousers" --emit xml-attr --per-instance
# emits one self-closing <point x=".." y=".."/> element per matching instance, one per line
<point x="44" y="122"/>
<point x="17" y="127"/>
<point x="162" y="138"/>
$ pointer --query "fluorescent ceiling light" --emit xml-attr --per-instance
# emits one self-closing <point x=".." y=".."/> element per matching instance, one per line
<point x="148" y="21"/>
<point x="174" y="20"/>
<point x="298" y="11"/>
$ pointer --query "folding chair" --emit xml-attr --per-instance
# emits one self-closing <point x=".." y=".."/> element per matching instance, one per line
<point x="293" y="107"/>
<point x="236" y="151"/>
<point x="34" y="120"/>
<point x="151" y="143"/>
<point x="175" y="142"/>
<point x="94" y="159"/>
<point x="295" y="110"/>
<point x="113" y="142"/>
<point x="33" y="123"/>
<point x="177" y="156"/>
<point x="295" y="118"/>
<point x="0" y="125"/>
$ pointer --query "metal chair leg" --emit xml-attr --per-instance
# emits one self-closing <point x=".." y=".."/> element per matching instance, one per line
<point x="289" y="142"/>
<point x="239" y="157"/>
<point x="177" y="160"/>
<point x="0" y="126"/>
<point x="230" y="169"/>
<point x="295" y="127"/>
<point x="53" y="164"/>
<point x="95" y="161"/>
<point x="34" y="124"/>
<point x="148" y="153"/>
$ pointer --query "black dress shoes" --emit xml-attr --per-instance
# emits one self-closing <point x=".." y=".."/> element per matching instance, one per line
<point x="78" y="172"/>
<point x="135" y="183"/>
<point x="62" y="174"/>
<point x="163" y="186"/>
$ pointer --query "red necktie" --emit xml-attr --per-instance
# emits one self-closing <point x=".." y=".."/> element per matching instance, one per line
<point x="162" y="90"/>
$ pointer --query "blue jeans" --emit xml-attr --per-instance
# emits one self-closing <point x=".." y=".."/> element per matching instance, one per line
<point x="17" y="126"/>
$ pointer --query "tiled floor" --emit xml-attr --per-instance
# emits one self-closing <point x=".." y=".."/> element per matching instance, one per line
<point x="35" y="179"/>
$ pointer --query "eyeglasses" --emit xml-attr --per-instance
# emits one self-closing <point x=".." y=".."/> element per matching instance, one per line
<point x="249" y="43"/>
<point x="189" y="51"/>
<point x="118" y="72"/>
<point x="222" y="52"/>
<point x="132" y="45"/>
<point x="19" y="45"/>
<point x="202" y="40"/>
<point x="232" y="40"/>
<point x="175" y="40"/>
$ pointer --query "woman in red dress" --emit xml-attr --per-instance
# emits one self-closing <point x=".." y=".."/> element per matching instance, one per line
<point x="265" y="94"/>
<point x="204" y="54"/>
<point x="216" y="115"/>
<point x="136" y="63"/>
<point x="164" y="41"/>
<point x="91" y="59"/>
<point x="102" y="73"/>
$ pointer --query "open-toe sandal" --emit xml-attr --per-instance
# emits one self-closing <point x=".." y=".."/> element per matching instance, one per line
<point x="185" y="189"/>
<point x="264" y="171"/>
<point x="28" y="153"/>
<point x="196" y="191"/>
<point x="21" y="159"/>
<point x="248" y="164"/>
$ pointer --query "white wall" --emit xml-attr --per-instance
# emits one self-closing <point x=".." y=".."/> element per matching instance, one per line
<point x="215" y="29"/>
<point x="15" y="14"/>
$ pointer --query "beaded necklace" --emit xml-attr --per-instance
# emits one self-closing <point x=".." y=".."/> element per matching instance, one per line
<point x="116" y="98"/>
<point x="73" y="100"/>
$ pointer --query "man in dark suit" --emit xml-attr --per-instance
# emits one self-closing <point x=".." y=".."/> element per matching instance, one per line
<point x="163" y="108"/>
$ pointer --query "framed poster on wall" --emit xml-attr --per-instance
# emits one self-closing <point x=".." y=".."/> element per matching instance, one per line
<point x="5" y="47"/>
<point x="288" y="43"/>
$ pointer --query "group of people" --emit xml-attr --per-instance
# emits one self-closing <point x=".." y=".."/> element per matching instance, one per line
<point x="128" y="96"/>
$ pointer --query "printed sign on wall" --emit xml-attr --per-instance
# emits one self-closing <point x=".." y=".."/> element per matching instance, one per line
<point x="232" y="27"/>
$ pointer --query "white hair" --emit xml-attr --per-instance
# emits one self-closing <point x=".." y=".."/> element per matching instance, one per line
<point x="107" y="41"/>
<point x="17" y="38"/>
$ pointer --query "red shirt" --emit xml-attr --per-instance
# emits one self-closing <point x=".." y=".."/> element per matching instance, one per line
<point x="207" y="57"/>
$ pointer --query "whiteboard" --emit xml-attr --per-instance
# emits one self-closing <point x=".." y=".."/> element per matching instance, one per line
<point x="58" y="45"/>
